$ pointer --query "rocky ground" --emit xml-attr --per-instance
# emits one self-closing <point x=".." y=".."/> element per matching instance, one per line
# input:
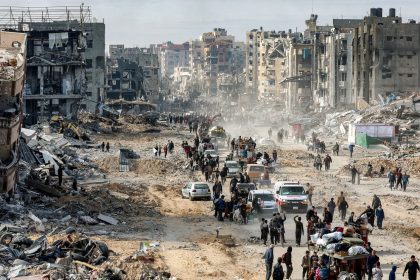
<point x="147" y="201"/>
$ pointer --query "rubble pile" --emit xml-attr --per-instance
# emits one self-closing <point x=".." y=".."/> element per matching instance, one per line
<point x="411" y="165"/>
<point x="98" y="124"/>
<point x="400" y="113"/>
<point x="72" y="255"/>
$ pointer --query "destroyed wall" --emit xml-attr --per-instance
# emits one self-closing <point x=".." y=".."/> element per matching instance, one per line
<point x="12" y="76"/>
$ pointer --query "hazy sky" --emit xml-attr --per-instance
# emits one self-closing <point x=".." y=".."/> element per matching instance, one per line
<point x="142" y="22"/>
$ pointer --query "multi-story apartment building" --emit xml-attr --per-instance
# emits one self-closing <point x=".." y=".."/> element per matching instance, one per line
<point x="65" y="60"/>
<point x="386" y="57"/>
<point x="12" y="76"/>
<point x="148" y="61"/>
<point x="125" y="80"/>
<point x="263" y="49"/>
<point x="173" y="55"/>
<point x="210" y="55"/>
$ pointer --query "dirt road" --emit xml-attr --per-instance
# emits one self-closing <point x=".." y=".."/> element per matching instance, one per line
<point x="187" y="229"/>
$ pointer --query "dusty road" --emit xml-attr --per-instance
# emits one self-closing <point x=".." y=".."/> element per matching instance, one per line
<point x="187" y="230"/>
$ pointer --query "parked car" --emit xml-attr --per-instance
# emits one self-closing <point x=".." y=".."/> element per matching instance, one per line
<point x="268" y="203"/>
<point x="234" y="168"/>
<point x="291" y="197"/>
<point x="212" y="153"/>
<point x="195" y="190"/>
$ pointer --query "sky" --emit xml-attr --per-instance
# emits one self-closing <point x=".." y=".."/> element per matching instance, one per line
<point x="144" y="22"/>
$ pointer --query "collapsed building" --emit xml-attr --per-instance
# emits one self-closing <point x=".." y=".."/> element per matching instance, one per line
<point x="65" y="59"/>
<point x="12" y="77"/>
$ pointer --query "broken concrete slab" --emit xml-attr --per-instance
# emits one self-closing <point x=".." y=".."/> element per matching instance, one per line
<point x="88" y="220"/>
<point x="119" y="195"/>
<point x="107" y="219"/>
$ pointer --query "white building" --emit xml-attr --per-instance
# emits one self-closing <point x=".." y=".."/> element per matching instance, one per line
<point x="172" y="56"/>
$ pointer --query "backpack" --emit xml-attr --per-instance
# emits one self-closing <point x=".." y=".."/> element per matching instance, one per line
<point x="278" y="272"/>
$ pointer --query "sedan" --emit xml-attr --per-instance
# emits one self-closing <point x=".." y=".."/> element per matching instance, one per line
<point x="212" y="153"/>
<point x="233" y="168"/>
<point x="195" y="190"/>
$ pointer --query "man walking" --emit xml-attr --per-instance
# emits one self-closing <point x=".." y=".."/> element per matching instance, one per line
<point x="269" y="258"/>
<point x="412" y="267"/>
<point x="299" y="229"/>
<point x="278" y="273"/>
<point x="331" y="207"/>
<point x="264" y="230"/>
<point x="371" y="263"/>
<point x="305" y="265"/>
<point x="287" y="259"/>
<point x="354" y="173"/>
<point x="342" y="208"/>
<point x="351" y="149"/>
<point x="327" y="162"/>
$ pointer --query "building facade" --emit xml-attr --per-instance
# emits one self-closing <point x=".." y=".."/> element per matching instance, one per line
<point x="12" y="77"/>
<point x="173" y="55"/>
<point x="386" y="57"/>
<point x="211" y="55"/>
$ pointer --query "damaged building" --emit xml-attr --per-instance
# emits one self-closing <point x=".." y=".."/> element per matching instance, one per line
<point x="386" y="57"/>
<point x="12" y="77"/>
<point x="149" y="63"/>
<point x="125" y="80"/>
<point x="65" y="61"/>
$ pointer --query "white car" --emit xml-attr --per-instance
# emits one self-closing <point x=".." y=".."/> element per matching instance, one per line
<point x="291" y="197"/>
<point x="234" y="168"/>
<point x="267" y="198"/>
<point x="212" y="153"/>
<point x="193" y="190"/>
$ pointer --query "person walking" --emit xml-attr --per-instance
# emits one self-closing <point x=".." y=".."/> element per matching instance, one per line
<point x="165" y="150"/>
<point x="309" y="192"/>
<point x="376" y="202"/>
<point x="264" y="230"/>
<point x="351" y="149"/>
<point x="278" y="273"/>
<point x="331" y="207"/>
<point x="371" y="263"/>
<point x="342" y="208"/>
<point x="377" y="272"/>
<point x="273" y="230"/>
<point x="392" y="273"/>
<point x="268" y="258"/>
<point x="391" y="179"/>
<point x="405" y="179"/>
<point x="103" y="146"/>
<point x="380" y="216"/>
<point x="336" y="149"/>
<point x="107" y="147"/>
<point x="299" y="229"/>
<point x="412" y="267"/>
<point x="327" y="162"/>
<point x="287" y="259"/>
<point x="354" y="173"/>
<point x="306" y="261"/>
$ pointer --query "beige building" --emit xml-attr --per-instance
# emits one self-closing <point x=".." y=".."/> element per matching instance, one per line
<point x="386" y="57"/>
<point x="211" y="55"/>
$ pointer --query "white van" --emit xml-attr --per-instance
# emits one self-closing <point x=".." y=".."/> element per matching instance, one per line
<point x="290" y="197"/>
